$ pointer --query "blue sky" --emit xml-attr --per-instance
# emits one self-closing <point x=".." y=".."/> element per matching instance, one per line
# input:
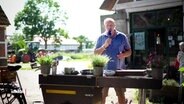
<point x="84" y="16"/>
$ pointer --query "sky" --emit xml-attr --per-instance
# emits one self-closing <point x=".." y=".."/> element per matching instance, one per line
<point x="84" y="16"/>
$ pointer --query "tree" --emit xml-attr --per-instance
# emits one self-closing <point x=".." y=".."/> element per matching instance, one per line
<point x="17" y="42"/>
<point x="57" y="39"/>
<point x="43" y="18"/>
<point x="89" y="44"/>
<point x="80" y="39"/>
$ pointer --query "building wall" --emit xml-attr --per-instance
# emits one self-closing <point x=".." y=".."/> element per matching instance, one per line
<point x="121" y="21"/>
<point x="139" y="6"/>
<point x="3" y="47"/>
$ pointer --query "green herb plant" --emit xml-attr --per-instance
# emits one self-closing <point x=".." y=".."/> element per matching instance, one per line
<point x="99" y="60"/>
<point x="45" y="60"/>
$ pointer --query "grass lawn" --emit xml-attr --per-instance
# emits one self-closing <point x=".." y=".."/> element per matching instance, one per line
<point x="25" y="66"/>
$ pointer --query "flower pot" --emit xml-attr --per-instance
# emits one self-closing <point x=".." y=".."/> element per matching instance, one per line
<point x="98" y="71"/>
<point x="157" y="73"/>
<point x="45" y="69"/>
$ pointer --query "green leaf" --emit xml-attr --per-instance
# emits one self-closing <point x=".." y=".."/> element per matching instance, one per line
<point x="181" y="69"/>
<point x="99" y="60"/>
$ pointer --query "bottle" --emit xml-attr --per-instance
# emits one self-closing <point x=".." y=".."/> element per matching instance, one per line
<point x="54" y="68"/>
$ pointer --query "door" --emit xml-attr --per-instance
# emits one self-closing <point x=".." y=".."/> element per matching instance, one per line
<point x="153" y="40"/>
<point x="156" y="41"/>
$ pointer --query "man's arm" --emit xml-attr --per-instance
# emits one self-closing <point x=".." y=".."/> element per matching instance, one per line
<point x="127" y="53"/>
<point x="101" y="49"/>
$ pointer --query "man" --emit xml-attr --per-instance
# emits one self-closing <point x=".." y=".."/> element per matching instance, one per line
<point x="115" y="45"/>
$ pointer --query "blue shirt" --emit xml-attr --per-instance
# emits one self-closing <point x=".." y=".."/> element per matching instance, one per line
<point x="119" y="44"/>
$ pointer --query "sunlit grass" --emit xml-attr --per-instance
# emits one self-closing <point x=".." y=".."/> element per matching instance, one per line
<point x="74" y="58"/>
<point x="25" y="66"/>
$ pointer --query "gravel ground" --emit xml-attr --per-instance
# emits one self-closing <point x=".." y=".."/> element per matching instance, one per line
<point x="32" y="91"/>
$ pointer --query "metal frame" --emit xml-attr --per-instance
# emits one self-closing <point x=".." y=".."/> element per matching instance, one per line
<point x="11" y="92"/>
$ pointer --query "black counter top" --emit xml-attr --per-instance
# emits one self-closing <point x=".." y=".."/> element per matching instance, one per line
<point x="81" y="80"/>
<point x="109" y="81"/>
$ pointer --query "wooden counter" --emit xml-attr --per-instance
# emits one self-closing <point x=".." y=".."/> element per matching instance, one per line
<point x="70" y="89"/>
<point x="86" y="89"/>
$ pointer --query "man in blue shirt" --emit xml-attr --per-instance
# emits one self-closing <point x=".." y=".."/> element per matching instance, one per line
<point x="115" y="45"/>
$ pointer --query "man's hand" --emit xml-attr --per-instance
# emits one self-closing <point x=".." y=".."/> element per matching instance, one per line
<point x="107" y="42"/>
<point x="121" y="55"/>
<point x="124" y="54"/>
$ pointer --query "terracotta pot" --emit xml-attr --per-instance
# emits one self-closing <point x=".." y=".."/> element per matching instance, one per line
<point x="25" y="58"/>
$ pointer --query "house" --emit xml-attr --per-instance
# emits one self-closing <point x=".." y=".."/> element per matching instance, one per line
<point x="66" y="44"/>
<point x="4" y="22"/>
<point x="151" y="25"/>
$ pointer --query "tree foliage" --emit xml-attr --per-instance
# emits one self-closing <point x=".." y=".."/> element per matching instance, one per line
<point x="18" y="42"/>
<point x="89" y="44"/>
<point x="43" y="18"/>
<point x="80" y="39"/>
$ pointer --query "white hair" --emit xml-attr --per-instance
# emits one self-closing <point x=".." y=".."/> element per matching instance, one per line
<point x="109" y="20"/>
<point x="181" y="46"/>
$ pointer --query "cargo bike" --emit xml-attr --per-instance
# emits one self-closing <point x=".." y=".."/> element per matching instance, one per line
<point x="11" y="91"/>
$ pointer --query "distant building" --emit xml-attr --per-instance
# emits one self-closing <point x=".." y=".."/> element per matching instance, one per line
<point x="66" y="45"/>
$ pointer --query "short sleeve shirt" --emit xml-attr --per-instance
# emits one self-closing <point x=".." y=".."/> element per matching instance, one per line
<point x="119" y="44"/>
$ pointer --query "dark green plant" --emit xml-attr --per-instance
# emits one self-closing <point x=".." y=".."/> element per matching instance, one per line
<point x="170" y="82"/>
<point x="80" y="39"/>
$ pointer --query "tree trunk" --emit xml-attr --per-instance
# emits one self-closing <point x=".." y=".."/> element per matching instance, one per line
<point x="45" y="40"/>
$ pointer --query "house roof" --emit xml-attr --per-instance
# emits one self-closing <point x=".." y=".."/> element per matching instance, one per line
<point x="3" y="18"/>
<point x="109" y="4"/>
<point x="139" y="5"/>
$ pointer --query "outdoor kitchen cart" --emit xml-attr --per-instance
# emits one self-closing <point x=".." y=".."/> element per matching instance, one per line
<point x="86" y="89"/>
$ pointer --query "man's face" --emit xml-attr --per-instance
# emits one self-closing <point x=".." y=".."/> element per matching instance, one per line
<point x="109" y="25"/>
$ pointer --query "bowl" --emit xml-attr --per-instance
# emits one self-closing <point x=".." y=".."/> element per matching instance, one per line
<point x="87" y="72"/>
<point x="109" y="72"/>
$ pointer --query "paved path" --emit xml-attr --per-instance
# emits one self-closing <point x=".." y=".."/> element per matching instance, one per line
<point x="29" y="81"/>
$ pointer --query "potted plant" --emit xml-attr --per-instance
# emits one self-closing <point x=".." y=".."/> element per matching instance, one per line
<point x="98" y="63"/>
<point x="156" y="63"/>
<point x="168" y="92"/>
<point x="45" y="63"/>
